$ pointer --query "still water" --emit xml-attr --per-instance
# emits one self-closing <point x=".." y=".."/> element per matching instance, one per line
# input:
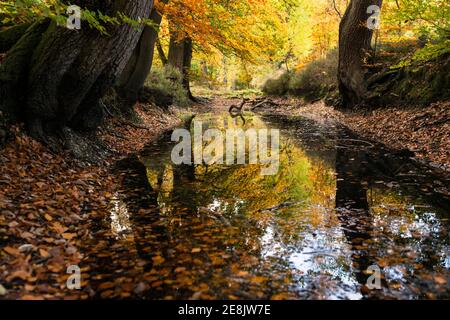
<point x="338" y="207"/>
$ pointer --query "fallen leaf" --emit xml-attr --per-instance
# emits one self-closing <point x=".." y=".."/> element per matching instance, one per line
<point x="258" y="280"/>
<point x="106" y="285"/>
<point x="3" y="291"/>
<point x="69" y="236"/>
<point x="20" y="274"/>
<point x="59" y="228"/>
<point x="158" y="260"/>
<point x="44" y="253"/>
<point x="12" y="251"/>
<point x="30" y="297"/>
<point x="440" y="280"/>
<point x="180" y="269"/>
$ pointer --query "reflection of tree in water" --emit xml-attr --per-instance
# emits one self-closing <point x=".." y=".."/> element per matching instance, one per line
<point x="377" y="235"/>
<point x="202" y="229"/>
<point x="241" y="200"/>
<point x="352" y="204"/>
<point x="358" y="169"/>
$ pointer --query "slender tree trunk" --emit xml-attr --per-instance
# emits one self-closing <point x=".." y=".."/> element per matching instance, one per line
<point x="70" y="71"/>
<point x="138" y="67"/>
<point x="161" y="53"/>
<point x="180" y="57"/>
<point x="354" y="47"/>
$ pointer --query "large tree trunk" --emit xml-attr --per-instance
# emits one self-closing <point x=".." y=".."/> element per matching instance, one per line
<point x="180" y="57"/>
<point x="138" y="67"/>
<point x="10" y="36"/>
<point x="14" y="71"/>
<point x="354" y="47"/>
<point x="70" y="71"/>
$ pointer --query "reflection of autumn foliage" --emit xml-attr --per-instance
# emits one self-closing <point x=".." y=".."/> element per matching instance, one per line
<point x="49" y="204"/>
<point x="296" y="182"/>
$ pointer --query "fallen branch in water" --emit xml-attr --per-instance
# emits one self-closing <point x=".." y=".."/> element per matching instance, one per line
<point x="238" y="109"/>
<point x="263" y="102"/>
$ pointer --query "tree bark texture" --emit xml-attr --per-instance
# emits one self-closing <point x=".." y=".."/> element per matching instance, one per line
<point x="354" y="47"/>
<point x="64" y="73"/>
<point x="133" y="77"/>
<point x="180" y="57"/>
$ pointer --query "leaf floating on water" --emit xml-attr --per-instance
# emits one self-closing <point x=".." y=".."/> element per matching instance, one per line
<point x="242" y="274"/>
<point x="258" y="280"/>
<point x="440" y="280"/>
<point x="20" y="274"/>
<point x="31" y="297"/>
<point x="280" y="296"/>
<point x="180" y="270"/>
<point x="158" y="260"/>
<point x="106" y="285"/>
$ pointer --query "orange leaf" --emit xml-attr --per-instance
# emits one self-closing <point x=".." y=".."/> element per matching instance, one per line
<point x="158" y="260"/>
<point x="106" y="285"/>
<point x="180" y="269"/>
<point x="12" y="251"/>
<point x="440" y="280"/>
<point x="59" y="228"/>
<point x="30" y="297"/>
<point x="258" y="280"/>
<point x="44" y="253"/>
<point x="69" y="236"/>
<point x="20" y="274"/>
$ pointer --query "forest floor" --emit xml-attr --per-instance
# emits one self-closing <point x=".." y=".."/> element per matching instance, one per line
<point x="423" y="131"/>
<point x="49" y="202"/>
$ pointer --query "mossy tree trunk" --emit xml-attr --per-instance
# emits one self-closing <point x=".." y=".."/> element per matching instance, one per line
<point x="133" y="77"/>
<point x="180" y="57"/>
<point x="64" y="73"/>
<point x="10" y="36"/>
